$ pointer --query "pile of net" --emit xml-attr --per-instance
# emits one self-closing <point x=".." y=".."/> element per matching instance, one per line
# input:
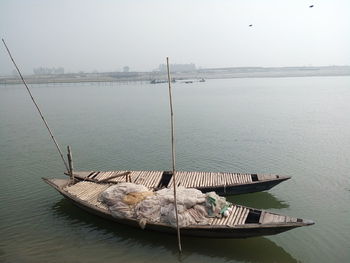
<point x="128" y="200"/>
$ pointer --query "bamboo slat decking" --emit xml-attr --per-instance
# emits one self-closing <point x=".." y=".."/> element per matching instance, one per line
<point x="152" y="179"/>
<point x="149" y="179"/>
<point x="237" y="217"/>
<point x="88" y="191"/>
<point x="209" y="179"/>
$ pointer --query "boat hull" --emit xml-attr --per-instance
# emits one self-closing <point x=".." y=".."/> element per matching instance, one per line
<point x="207" y="231"/>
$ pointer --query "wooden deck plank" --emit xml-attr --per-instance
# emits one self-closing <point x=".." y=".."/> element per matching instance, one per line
<point x="228" y="179"/>
<point x="215" y="179"/>
<point x="153" y="179"/>
<point x="149" y="178"/>
<point x="241" y="178"/>
<point x="198" y="179"/>
<point x="211" y="179"/>
<point x="157" y="178"/>
<point x="250" y="179"/>
<point x="234" y="217"/>
<point x="200" y="183"/>
<point x="195" y="179"/>
<point x="178" y="178"/>
<point x="183" y="178"/>
<point x="238" y="216"/>
<point x="234" y="209"/>
<point x="222" y="179"/>
<point x="190" y="180"/>
<point x="186" y="179"/>
<point x="201" y="180"/>
<point x="134" y="175"/>
<point x="235" y="178"/>
<point x="244" y="217"/>
<point x="170" y="184"/>
<point x="140" y="178"/>
<point x="208" y="179"/>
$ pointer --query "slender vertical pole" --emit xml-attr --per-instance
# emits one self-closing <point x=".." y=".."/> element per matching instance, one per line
<point x="36" y="105"/>
<point x="70" y="163"/>
<point x="173" y="156"/>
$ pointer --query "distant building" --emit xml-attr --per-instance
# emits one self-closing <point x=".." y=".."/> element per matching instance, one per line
<point x="178" y="67"/>
<point x="48" y="71"/>
<point x="126" y="69"/>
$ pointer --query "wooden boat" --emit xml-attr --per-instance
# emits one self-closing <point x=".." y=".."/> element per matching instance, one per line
<point x="223" y="184"/>
<point x="241" y="223"/>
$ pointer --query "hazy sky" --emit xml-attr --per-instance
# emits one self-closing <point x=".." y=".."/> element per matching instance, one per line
<point x="106" y="35"/>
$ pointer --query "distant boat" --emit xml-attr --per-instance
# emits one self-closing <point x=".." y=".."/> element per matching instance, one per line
<point x="158" y="81"/>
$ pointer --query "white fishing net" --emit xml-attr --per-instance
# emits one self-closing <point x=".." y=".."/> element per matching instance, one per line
<point x="128" y="200"/>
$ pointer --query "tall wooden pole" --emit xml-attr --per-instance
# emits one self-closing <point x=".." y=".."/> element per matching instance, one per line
<point x="36" y="105"/>
<point x="70" y="163"/>
<point x="173" y="157"/>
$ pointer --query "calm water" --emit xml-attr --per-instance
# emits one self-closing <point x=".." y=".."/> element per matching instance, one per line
<point x="292" y="126"/>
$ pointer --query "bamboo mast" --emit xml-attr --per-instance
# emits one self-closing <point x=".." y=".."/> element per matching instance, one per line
<point x="70" y="163"/>
<point x="37" y="107"/>
<point x="173" y="157"/>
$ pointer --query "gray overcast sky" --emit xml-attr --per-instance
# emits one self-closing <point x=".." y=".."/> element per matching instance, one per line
<point x="106" y="35"/>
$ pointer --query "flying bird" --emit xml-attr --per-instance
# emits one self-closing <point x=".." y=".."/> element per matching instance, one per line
<point x="251" y="25"/>
<point x="311" y="6"/>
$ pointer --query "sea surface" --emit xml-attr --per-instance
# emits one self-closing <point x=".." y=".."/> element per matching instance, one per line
<point x="298" y="127"/>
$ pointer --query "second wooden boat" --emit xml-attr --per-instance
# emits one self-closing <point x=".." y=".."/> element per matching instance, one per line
<point x="222" y="183"/>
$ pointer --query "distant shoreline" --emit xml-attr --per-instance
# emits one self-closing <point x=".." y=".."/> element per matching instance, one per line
<point x="214" y="73"/>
